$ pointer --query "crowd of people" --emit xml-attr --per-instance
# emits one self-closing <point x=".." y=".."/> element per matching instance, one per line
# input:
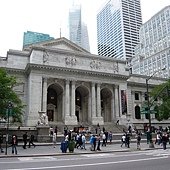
<point x="100" y="138"/>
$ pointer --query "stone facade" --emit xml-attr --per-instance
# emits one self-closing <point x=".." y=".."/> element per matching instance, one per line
<point x="73" y="86"/>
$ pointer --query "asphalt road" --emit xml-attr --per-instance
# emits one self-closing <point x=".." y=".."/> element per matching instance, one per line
<point x="143" y="160"/>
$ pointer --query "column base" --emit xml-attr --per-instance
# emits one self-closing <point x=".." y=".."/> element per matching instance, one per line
<point x="96" y="120"/>
<point x="71" y="120"/>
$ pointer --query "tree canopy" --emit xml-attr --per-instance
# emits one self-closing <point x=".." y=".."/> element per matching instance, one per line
<point x="8" y="95"/>
<point x="162" y="108"/>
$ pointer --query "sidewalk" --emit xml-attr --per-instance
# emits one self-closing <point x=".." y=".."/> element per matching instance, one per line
<point x="47" y="149"/>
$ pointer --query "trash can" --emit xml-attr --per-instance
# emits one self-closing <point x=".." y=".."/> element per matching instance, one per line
<point x="63" y="147"/>
<point x="71" y="145"/>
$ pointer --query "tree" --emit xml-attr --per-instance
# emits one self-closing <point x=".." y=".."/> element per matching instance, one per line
<point x="7" y="94"/>
<point x="163" y="108"/>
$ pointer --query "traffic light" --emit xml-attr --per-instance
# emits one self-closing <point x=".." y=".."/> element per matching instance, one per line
<point x="146" y="96"/>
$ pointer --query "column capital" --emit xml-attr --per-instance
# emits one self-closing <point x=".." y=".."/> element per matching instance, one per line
<point x="99" y="84"/>
<point x="116" y="86"/>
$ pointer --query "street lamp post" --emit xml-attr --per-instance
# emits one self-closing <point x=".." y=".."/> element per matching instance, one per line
<point x="7" y="128"/>
<point x="151" y="145"/>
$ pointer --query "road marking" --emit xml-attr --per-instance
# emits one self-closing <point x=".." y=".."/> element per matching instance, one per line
<point x="99" y="155"/>
<point x="159" y="153"/>
<point x="95" y="164"/>
<point x="47" y="158"/>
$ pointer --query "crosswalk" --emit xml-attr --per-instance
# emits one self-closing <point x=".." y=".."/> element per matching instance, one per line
<point x="159" y="152"/>
<point x="46" y="158"/>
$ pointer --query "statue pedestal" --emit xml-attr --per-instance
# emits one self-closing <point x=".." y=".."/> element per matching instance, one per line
<point x="43" y="133"/>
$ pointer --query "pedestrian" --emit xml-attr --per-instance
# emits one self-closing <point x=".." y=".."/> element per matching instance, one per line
<point x="98" y="143"/>
<point x="164" y="141"/>
<point x="76" y="139"/>
<point x="110" y="137"/>
<point x="117" y="123"/>
<point x="94" y="142"/>
<point x="1" y="142"/>
<point x="56" y="130"/>
<point x="83" y="142"/>
<point x="25" y="140"/>
<point x="91" y="142"/>
<point x="31" y="141"/>
<point x="54" y="139"/>
<point x="138" y="141"/>
<point x="128" y="140"/>
<point x="104" y="139"/>
<point x="123" y="140"/>
<point x="79" y="141"/>
<point x="14" y="144"/>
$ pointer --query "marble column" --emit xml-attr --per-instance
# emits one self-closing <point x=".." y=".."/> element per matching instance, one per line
<point x="117" y="101"/>
<point x="93" y="100"/>
<point x="72" y="98"/>
<point x="67" y="98"/>
<point x="44" y="95"/>
<point x="98" y="101"/>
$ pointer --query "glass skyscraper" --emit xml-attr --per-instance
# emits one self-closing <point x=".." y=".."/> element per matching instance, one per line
<point x="34" y="37"/>
<point x="118" y="24"/>
<point x="77" y="29"/>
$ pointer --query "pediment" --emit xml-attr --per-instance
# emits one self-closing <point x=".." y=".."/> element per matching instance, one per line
<point x="62" y="43"/>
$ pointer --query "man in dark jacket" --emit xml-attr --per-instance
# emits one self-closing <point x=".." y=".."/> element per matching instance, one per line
<point x="25" y="140"/>
<point x="1" y="142"/>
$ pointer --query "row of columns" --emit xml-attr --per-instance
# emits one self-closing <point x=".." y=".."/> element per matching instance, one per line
<point x="69" y="100"/>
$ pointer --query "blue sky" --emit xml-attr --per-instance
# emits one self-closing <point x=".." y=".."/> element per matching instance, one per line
<point x="48" y="16"/>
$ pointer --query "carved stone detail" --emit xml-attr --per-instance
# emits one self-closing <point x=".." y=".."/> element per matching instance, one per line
<point x="45" y="57"/>
<point x="115" y="67"/>
<point x="95" y="64"/>
<point x="70" y="61"/>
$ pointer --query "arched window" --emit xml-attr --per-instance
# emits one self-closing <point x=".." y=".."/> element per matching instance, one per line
<point x="137" y="112"/>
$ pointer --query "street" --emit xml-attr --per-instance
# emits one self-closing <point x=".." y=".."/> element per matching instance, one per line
<point x="141" y="160"/>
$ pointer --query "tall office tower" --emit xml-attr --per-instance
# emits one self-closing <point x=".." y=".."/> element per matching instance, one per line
<point x="153" y="52"/>
<point x="77" y="29"/>
<point x="34" y="37"/>
<point x="118" y="24"/>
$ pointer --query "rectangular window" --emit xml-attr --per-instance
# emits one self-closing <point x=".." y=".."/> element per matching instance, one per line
<point x="136" y="96"/>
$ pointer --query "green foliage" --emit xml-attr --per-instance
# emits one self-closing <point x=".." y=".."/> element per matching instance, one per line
<point x="7" y="94"/>
<point x="163" y="108"/>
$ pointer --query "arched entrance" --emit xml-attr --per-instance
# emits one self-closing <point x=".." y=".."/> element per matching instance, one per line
<point x="54" y="103"/>
<point x="106" y="98"/>
<point x="82" y="96"/>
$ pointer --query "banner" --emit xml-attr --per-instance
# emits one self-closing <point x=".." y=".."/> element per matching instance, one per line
<point x="123" y="102"/>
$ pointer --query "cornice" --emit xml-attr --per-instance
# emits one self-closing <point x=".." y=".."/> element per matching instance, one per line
<point x="139" y="84"/>
<point x="43" y="67"/>
<point x="18" y="52"/>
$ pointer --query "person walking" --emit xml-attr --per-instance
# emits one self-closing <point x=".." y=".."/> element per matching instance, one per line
<point x="138" y="141"/>
<point x="14" y="144"/>
<point x="83" y="142"/>
<point x="123" y="140"/>
<point x="98" y="143"/>
<point x="31" y="141"/>
<point x="1" y="142"/>
<point x="54" y="139"/>
<point x="110" y="137"/>
<point x="25" y="136"/>
<point x="104" y="139"/>
<point x="164" y="141"/>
